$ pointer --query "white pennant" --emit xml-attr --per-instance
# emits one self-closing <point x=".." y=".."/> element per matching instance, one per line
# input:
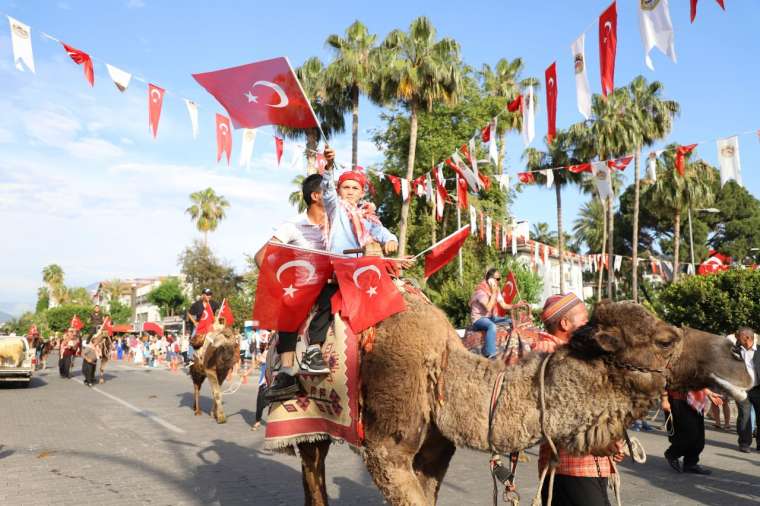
<point x="473" y="221"/>
<point x="295" y="162"/>
<point x="690" y="269"/>
<point x="192" y="109"/>
<point x="493" y="151"/>
<point x="529" y="119"/>
<point x="582" y="90"/>
<point x="488" y="230"/>
<point x="652" y="168"/>
<point x="549" y="174"/>
<point x="246" y="147"/>
<point x="429" y="187"/>
<point x="546" y="255"/>
<point x="404" y="189"/>
<point x="21" y="40"/>
<point x="617" y="263"/>
<point x="601" y="173"/>
<point x="656" y="29"/>
<point x="514" y="243"/>
<point x="473" y="156"/>
<point x="728" y="157"/>
<point x="503" y="239"/>
<point x="119" y="77"/>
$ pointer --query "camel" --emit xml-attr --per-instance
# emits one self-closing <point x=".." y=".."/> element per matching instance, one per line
<point x="104" y="344"/>
<point x="218" y="359"/>
<point x="425" y="394"/>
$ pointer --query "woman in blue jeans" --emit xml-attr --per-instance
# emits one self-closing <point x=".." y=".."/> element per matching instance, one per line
<point x="482" y="309"/>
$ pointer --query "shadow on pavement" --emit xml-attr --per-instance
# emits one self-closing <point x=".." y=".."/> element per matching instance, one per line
<point x="5" y="453"/>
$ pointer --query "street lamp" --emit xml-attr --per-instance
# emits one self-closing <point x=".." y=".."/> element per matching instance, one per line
<point x="710" y="210"/>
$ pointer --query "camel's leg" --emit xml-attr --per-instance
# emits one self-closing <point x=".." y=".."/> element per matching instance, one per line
<point x="432" y="461"/>
<point x="390" y="464"/>
<point x="103" y="362"/>
<point x="313" y="472"/>
<point x="197" y="396"/>
<point x="217" y="410"/>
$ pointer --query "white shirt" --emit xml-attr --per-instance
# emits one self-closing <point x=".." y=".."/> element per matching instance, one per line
<point x="301" y="232"/>
<point x="748" y="355"/>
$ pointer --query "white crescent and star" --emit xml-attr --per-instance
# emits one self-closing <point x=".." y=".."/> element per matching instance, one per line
<point x="551" y="82"/>
<point x="155" y="95"/>
<point x="291" y="290"/>
<point x="372" y="290"/>
<point x="224" y="128"/>
<point x="608" y="29"/>
<point x="277" y="89"/>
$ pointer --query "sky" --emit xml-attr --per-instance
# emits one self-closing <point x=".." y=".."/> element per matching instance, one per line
<point x="83" y="183"/>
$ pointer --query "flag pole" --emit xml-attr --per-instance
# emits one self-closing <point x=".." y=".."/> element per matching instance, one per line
<point x="459" y="253"/>
<point x="308" y="102"/>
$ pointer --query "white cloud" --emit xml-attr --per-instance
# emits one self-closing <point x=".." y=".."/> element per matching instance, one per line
<point x="135" y="4"/>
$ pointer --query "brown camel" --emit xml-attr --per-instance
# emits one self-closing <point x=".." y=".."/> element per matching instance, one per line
<point x="425" y="394"/>
<point x="219" y="357"/>
<point x="105" y="346"/>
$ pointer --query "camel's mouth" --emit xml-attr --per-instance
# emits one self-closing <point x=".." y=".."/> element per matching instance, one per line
<point x="738" y="393"/>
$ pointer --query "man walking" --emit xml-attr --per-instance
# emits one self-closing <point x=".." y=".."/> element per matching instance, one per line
<point x="746" y="345"/>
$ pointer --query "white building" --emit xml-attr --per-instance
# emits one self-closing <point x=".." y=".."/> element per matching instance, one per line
<point x="134" y="293"/>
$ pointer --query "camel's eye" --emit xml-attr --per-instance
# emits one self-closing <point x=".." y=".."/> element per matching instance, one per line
<point x="665" y="345"/>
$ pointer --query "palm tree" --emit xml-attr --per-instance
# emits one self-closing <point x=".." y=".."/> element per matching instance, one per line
<point x="352" y="69"/>
<point x="296" y="196"/>
<point x="329" y="103"/>
<point x="540" y="232"/>
<point x="588" y="227"/>
<point x="418" y="71"/>
<point x="673" y="194"/>
<point x="654" y="117"/>
<point x="560" y="152"/>
<point x="207" y="211"/>
<point x="52" y="275"/>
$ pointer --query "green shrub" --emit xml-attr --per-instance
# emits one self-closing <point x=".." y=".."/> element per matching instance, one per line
<point x="59" y="318"/>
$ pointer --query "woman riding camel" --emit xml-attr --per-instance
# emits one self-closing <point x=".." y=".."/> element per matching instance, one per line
<point x="483" y="303"/>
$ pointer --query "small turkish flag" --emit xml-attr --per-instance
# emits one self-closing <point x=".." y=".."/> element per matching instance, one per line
<point x="76" y="323"/>
<point x="107" y="325"/>
<point x="619" y="163"/>
<point x="33" y="330"/>
<point x="461" y="192"/>
<point x="526" y="177"/>
<point x="83" y="59"/>
<point x="278" y="148"/>
<point x="681" y="152"/>
<point x="485" y="133"/>
<point x="206" y="321"/>
<point x="290" y="280"/>
<point x="516" y="104"/>
<point x="395" y="182"/>
<point x="551" y="100"/>
<point x="223" y="137"/>
<point x="260" y="93"/>
<point x="155" y="101"/>
<point x="368" y="294"/>
<point x="485" y="180"/>
<point x="445" y="250"/>
<point x="225" y="311"/>
<point x="509" y="292"/>
<point x="693" y="8"/>
<point x="608" y="47"/>
<point x="321" y="163"/>
<point x="577" y="169"/>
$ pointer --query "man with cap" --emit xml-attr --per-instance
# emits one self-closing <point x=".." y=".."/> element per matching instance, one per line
<point x="195" y="313"/>
<point x="581" y="480"/>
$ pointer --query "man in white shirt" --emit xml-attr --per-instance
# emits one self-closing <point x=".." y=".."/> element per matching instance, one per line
<point x="747" y="347"/>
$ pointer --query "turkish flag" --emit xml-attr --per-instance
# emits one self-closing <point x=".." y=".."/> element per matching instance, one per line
<point x="321" y="163"/>
<point x="33" y="330"/>
<point x="461" y="192"/>
<point x="260" y="93"/>
<point x="551" y="100"/>
<point x="445" y="250"/>
<point x="516" y="104"/>
<point x="206" y="321"/>
<point x="367" y="293"/>
<point x="485" y="133"/>
<point x="76" y="323"/>
<point x="681" y="152"/>
<point x="607" y="47"/>
<point x="223" y="137"/>
<point x="485" y="180"/>
<point x="577" y="169"/>
<point x="225" y="311"/>
<point x="108" y="325"/>
<point x="526" y="177"/>
<point x="278" y="148"/>
<point x="509" y="292"/>
<point x="396" y="183"/>
<point x="83" y="59"/>
<point x="290" y="280"/>
<point x="619" y="163"/>
<point x="155" y="101"/>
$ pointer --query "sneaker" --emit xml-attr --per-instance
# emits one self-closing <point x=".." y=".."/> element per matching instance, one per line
<point x="313" y="362"/>
<point x="283" y="387"/>
<point x="674" y="463"/>
<point x="697" y="469"/>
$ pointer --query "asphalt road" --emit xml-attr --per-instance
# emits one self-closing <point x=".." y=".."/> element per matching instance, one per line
<point x="134" y="440"/>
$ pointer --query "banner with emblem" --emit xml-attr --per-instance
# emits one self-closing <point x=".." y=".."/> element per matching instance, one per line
<point x="656" y="29"/>
<point x="21" y="40"/>
<point x="728" y="157"/>
<point x="246" y="148"/>
<point x="582" y="89"/>
<point x="602" y="179"/>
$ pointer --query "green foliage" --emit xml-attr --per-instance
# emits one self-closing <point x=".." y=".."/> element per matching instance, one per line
<point x="719" y="303"/>
<point x="59" y="318"/>
<point x="169" y="297"/>
<point x="737" y="226"/>
<point x="202" y="269"/>
<point x="207" y="210"/>
<point x="43" y="300"/>
<point x="120" y="312"/>
<point x="79" y="296"/>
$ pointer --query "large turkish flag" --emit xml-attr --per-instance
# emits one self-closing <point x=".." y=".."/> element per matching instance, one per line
<point x="289" y="282"/>
<point x="608" y="47"/>
<point x="223" y="138"/>
<point x="551" y="100"/>
<point x="260" y="93"/>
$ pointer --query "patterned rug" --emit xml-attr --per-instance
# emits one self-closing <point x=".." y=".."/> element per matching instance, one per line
<point x="330" y="406"/>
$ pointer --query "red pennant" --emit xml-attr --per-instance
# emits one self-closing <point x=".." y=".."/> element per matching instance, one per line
<point x="465" y="151"/>
<point x="223" y="138"/>
<point x="155" y="101"/>
<point x="608" y="47"/>
<point x="577" y="169"/>
<point x="551" y="100"/>
<point x="461" y="192"/>
<point x="526" y="177"/>
<point x="225" y="311"/>
<point x="76" y="323"/>
<point x="516" y="104"/>
<point x="207" y="320"/>
<point x="368" y="294"/>
<point x="445" y="250"/>
<point x="278" y="147"/>
<point x="681" y="152"/>
<point x="619" y="163"/>
<point x="485" y="133"/>
<point x="108" y="325"/>
<point x="260" y="93"/>
<point x="290" y="280"/>
<point x="396" y="183"/>
<point x="83" y="59"/>
<point x="485" y="180"/>
<point x="693" y="9"/>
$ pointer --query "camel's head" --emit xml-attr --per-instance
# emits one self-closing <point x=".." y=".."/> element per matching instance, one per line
<point x="636" y="345"/>
<point x="709" y="360"/>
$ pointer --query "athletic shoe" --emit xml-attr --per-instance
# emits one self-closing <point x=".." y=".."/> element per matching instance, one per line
<point x="313" y="362"/>
<point x="283" y="387"/>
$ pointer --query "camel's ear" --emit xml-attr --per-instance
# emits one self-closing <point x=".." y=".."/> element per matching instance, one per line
<point x="609" y="339"/>
<point x="593" y="340"/>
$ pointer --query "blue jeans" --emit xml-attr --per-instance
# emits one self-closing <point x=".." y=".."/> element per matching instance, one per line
<point x="488" y="324"/>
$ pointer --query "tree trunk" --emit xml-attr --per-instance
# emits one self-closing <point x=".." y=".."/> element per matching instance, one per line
<point x="354" y="127"/>
<point x="676" y="243"/>
<point x="404" y="220"/>
<point x="311" y="152"/>
<point x="610" y="247"/>
<point x="432" y="232"/>
<point x="604" y="248"/>
<point x="560" y="238"/>
<point x="635" y="240"/>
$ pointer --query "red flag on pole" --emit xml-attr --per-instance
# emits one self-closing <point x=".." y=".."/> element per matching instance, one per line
<point x="223" y="137"/>
<point x="76" y="323"/>
<point x="526" y="177"/>
<point x="278" y="147"/>
<point x="461" y="192"/>
<point x="681" y="152"/>
<point x="261" y="93"/>
<point x="207" y="320"/>
<point x="155" y="101"/>
<point x="485" y="133"/>
<point x="289" y="282"/>
<point x="83" y="59"/>
<point x="445" y="250"/>
<point x="551" y="100"/>
<point x="108" y="325"/>
<point x="226" y="312"/>
<point x="516" y="104"/>
<point x="577" y="169"/>
<point x="367" y="293"/>
<point x="607" y="47"/>
<point x="619" y="163"/>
